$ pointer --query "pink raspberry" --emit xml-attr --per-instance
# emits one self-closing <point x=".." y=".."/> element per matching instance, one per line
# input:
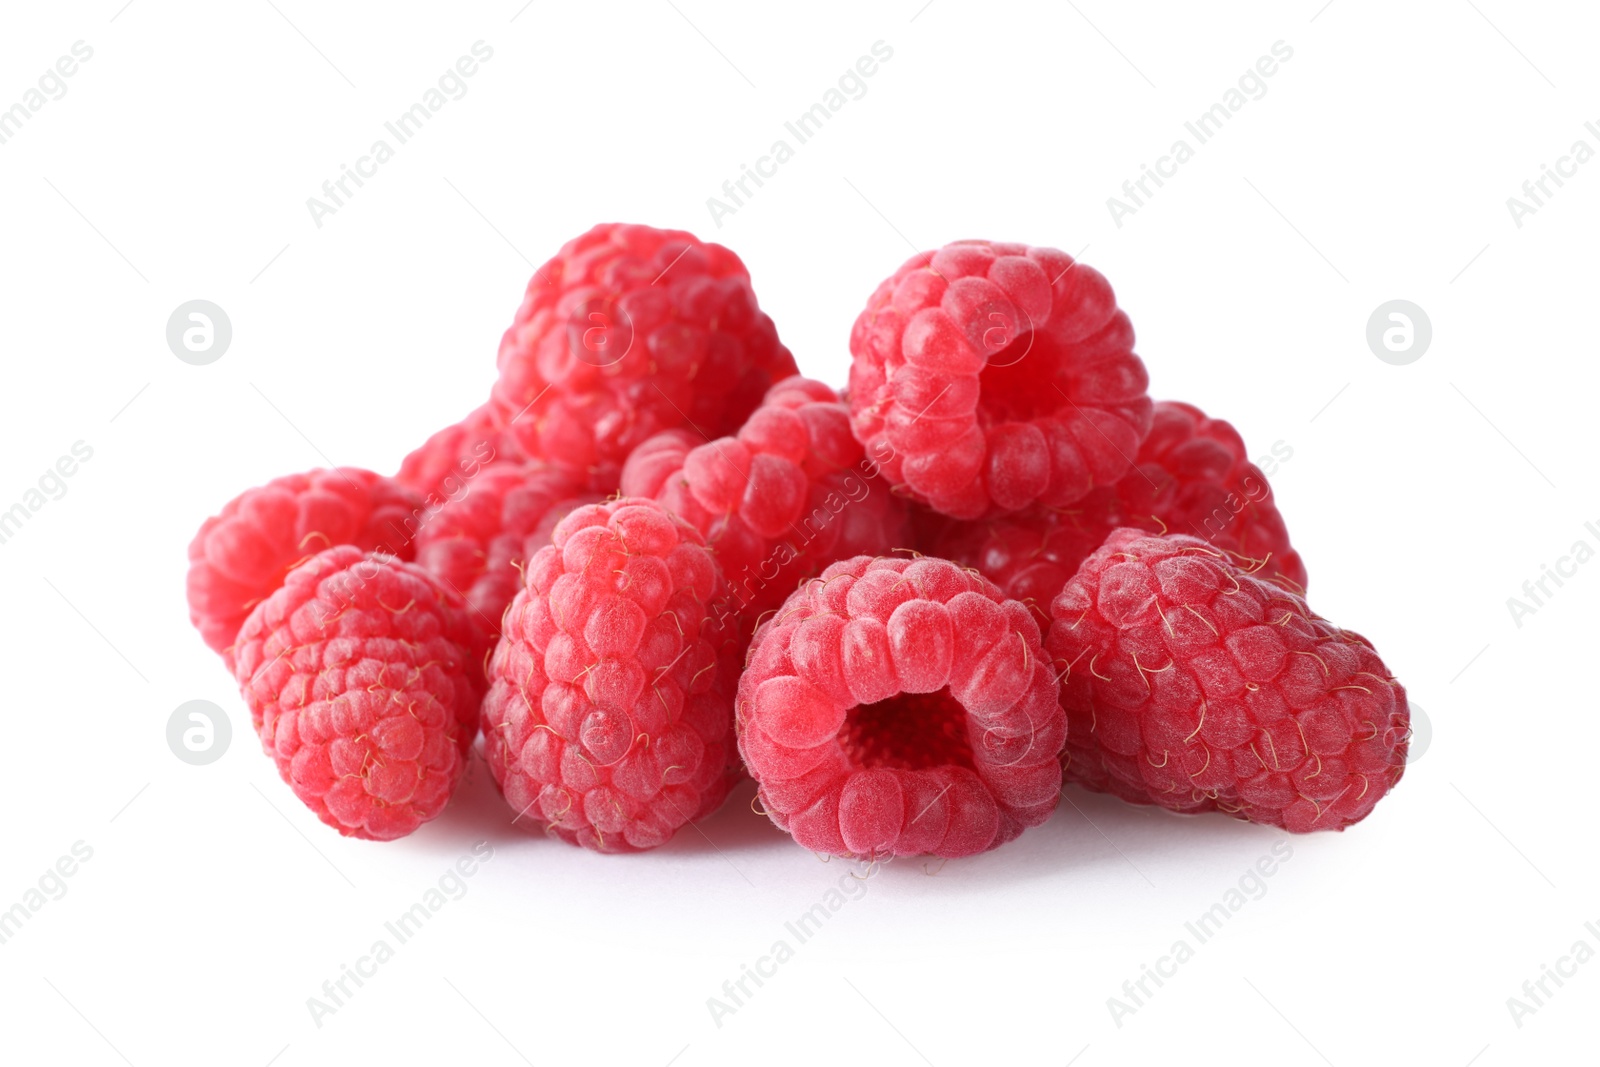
<point x="629" y="331"/>
<point x="609" y="715"/>
<point x="896" y="707"/>
<point x="361" y="675"/>
<point x="1193" y="476"/>
<point x="789" y="494"/>
<point x="439" y="466"/>
<point x="479" y="541"/>
<point x="1192" y="684"/>
<point x="991" y="376"/>
<point x="241" y="555"/>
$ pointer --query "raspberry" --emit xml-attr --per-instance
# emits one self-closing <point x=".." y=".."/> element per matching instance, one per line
<point x="438" y="467"/>
<point x="1194" y="685"/>
<point x="609" y="715"/>
<point x="898" y="706"/>
<point x="994" y="376"/>
<point x="789" y="494"/>
<point x="1193" y="476"/>
<point x="478" y="542"/>
<point x="629" y="331"/>
<point x="1029" y="554"/>
<point x="241" y="554"/>
<point x="361" y="675"/>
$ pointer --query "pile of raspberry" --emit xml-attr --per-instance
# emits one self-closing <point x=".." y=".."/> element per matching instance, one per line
<point x="657" y="561"/>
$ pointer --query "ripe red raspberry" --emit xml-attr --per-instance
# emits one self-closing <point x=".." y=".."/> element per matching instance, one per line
<point x="1193" y="476"/>
<point x="241" y="555"/>
<point x="993" y="376"/>
<point x="629" y="331"/>
<point x="1192" y="684"/>
<point x="609" y="715"/>
<point x="362" y="679"/>
<point x="1028" y="554"/>
<point x="786" y="496"/>
<point x="896" y="707"/>
<point x="440" y="465"/>
<point x="479" y="541"/>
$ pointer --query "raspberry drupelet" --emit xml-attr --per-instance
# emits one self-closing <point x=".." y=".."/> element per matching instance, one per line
<point x="363" y="678"/>
<point x="609" y="716"/>
<point x="241" y="555"/>
<point x="479" y="541"/>
<point x="991" y="376"/>
<point x="790" y="493"/>
<point x="898" y="707"/>
<point x="1193" y="476"/>
<point x="1194" y="685"/>
<point x="439" y="466"/>
<point x="629" y="331"/>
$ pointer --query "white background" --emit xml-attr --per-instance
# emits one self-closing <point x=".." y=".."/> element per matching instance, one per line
<point x="1377" y="166"/>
